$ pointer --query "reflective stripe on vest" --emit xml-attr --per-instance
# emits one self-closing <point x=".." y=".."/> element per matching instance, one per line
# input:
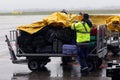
<point x="84" y="26"/>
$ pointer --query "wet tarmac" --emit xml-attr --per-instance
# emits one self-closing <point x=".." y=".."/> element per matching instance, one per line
<point x="52" y="71"/>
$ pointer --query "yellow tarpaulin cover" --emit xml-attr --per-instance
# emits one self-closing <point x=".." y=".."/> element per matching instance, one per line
<point x="61" y="19"/>
<point x="110" y="23"/>
<point x="55" y="19"/>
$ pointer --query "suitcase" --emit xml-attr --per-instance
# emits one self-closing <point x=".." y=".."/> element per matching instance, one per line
<point x="69" y="49"/>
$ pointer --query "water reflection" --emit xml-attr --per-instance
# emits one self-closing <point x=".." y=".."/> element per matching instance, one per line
<point x="43" y="74"/>
<point x="56" y="72"/>
<point x="71" y="70"/>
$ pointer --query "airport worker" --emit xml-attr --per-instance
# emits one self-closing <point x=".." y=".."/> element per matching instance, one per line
<point x="82" y="41"/>
<point x="81" y="14"/>
<point x="64" y="11"/>
<point x="87" y="19"/>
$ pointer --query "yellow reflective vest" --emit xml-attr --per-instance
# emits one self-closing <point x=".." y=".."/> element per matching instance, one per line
<point x="82" y="31"/>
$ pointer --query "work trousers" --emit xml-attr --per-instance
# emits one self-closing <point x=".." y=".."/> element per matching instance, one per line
<point x="83" y="52"/>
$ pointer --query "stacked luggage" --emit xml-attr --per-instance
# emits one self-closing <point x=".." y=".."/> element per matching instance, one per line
<point x="45" y="40"/>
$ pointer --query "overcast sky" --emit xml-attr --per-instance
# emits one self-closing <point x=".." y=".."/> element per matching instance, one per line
<point x="57" y="4"/>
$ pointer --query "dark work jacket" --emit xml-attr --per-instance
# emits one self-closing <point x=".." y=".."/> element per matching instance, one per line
<point x="88" y="22"/>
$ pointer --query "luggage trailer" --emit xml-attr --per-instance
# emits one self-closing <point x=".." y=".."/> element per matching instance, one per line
<point x="35" y="62"/>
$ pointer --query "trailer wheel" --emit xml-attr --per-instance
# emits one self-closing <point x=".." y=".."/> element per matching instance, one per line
<point x="94" y="64"/>
<point x="33" y="65"/>
<point x="91" y="65"/>
<point x="43" y="62"/>
<point x="98" y="62"/>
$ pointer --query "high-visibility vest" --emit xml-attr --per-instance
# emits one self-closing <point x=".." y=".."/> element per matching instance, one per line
<point x="82" y="31"/>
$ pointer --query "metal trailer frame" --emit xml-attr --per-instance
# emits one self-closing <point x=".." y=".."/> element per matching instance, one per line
<point x="112" y="41"/>
<point x="32" y="59"/>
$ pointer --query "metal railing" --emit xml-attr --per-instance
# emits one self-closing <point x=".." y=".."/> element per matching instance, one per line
<point x="101" y="41"/>
<point x="13" y="35"/>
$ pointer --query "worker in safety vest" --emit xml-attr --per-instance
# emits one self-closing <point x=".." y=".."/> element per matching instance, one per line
<point x="82" y="40"/>
<point x="64" y="11"/>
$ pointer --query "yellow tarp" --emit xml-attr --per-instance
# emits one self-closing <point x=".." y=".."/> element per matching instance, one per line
<point x="99" y="19"/>
<point x="55" y="19"/>
<point x="61" y="19"/>
<point x="32" y="28"/>
<point x="110" y="22"/>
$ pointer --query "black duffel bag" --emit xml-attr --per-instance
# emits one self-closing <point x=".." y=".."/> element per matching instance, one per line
<point x="65" y="35"/>
<point x="45" y="49"/>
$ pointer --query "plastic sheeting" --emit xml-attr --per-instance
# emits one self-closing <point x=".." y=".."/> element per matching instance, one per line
<point x="56" y="19"/>
<point x="113" y="23"/>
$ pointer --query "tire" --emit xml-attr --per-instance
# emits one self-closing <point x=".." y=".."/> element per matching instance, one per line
<point x="33" y="65"/>
<point x="43" y="61"/>
<point x="42" y="64"/>
<point x="98" y="62"/>
<point x="91" y="65"/>
<point x="94" y="64"/>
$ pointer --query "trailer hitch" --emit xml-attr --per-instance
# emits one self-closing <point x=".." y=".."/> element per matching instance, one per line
<point x="12" y="53"/>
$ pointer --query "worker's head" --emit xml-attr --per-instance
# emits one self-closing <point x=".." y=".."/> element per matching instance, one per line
<point x="85" y="16"/>
<point x="81" y="13"/>
<point x="64" y="11"/>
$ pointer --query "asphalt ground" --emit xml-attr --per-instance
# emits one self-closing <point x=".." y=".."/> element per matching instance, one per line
<point x="52" y="71"/>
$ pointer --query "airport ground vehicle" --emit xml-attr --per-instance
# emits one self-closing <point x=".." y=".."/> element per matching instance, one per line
<point x="36" y="61"/>
<point x="113" y="69"/>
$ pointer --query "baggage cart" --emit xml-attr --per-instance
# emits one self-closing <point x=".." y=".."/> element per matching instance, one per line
<point x="36" y="61"/>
